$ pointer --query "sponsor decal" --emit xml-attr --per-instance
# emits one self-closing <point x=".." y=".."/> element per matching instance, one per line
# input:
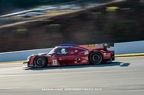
<point x="75" y="61"/>
<point x="86" y="52"/>
<point x="106" y="54"/>
<point x="72" y="52"/>
<point x="84" y="61"/>
<point x="99" y="45"/>
<point x="54" y="62"/>
<point x="91" y="45"/>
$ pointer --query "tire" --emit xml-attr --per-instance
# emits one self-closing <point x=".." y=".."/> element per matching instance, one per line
<point x="113" y="56"/>
<point x="40" y="61"/>
<point x="95" y="58"/>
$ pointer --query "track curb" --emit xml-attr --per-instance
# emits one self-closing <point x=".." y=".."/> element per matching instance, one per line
<point x="13" y="62"/>
<point x="129" y="55"/>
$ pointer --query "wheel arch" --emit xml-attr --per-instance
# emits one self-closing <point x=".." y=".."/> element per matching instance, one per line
<point x="46" y="59"/>
<point x="95" y="51"/>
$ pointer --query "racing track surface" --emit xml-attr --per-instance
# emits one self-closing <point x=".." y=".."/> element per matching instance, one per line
<point x="125" y="76"/>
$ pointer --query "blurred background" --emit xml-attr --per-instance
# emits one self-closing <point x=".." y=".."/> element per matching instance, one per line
<point x="36" y="24"/>
<point x="8" y="6"/>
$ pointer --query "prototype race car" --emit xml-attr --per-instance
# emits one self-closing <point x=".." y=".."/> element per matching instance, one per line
<point x="71" y="54"/>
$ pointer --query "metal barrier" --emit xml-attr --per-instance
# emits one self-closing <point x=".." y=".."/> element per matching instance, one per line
<point x="129" y="47"/>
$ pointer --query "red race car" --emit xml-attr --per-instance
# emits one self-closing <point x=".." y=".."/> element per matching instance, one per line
<point x="71" y="54"/>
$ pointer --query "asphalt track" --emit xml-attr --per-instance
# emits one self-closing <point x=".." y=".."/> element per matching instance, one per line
<point x="124" y="76"/>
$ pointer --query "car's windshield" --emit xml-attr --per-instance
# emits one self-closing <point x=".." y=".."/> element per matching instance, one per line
<point x="52" y="51"/>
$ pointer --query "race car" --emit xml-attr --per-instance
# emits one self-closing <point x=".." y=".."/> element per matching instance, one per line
<point x="71" y="54"/>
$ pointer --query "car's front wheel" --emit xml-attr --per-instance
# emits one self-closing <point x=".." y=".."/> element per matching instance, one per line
<point x="95" y="58"/>
<point x="40" y="61"/>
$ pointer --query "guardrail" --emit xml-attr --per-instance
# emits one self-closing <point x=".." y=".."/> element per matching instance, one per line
<point x="120" y="48"/>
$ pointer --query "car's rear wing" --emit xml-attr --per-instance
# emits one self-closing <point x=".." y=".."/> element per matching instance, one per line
<point x="108" y="45"/>
<point x="97" y="46"/>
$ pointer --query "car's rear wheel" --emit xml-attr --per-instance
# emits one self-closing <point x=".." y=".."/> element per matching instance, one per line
<point x="95" y="58"/>
<point x="40" y="61"/>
